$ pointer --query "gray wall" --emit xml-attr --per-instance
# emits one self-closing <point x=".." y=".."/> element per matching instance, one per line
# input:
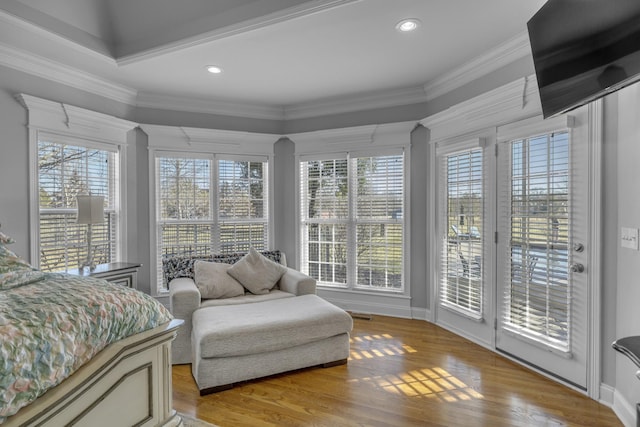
<point x="418" y="252"/>
<point x="284" y="200"/>
<point x="626" y="279"/>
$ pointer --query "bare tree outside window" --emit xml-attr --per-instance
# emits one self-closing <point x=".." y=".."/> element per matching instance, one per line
<point x="207" y="207"/>
<point x="65" y="171"/>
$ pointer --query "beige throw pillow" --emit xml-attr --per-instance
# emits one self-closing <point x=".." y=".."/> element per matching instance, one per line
<point x="213" y="281"/>
<point x="257" y="273"/>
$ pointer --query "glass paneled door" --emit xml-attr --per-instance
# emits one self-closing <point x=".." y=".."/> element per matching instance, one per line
<point x="542" y="222"/>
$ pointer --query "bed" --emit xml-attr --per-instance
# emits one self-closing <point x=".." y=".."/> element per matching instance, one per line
<point x="81" y="351"/>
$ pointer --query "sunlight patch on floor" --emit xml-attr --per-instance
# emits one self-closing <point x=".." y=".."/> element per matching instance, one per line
<point x="377" y="346"/>
<point x="434" y="383"/>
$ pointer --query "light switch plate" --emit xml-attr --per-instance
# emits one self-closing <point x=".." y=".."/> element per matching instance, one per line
<point x="629" y="238"/>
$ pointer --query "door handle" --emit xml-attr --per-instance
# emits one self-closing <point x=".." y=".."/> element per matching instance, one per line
<point x="576" y="267"/>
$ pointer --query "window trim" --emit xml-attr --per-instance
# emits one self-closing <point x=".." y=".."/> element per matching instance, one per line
<point x="214" y="220"/>
<point x="443" y="150"/>
<point x="208" y="143"/>
<point x="372" y="140"/>
<point x="529" y="130"/>
<point x="79" y="126"/>
<point x="113" y="210"/>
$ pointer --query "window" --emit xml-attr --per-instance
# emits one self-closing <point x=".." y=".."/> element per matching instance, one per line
<point x="64" y="171"/>
<point x="352" y="222"/>
<point x="207" y="205"/>
<point x="461" y="222"/>
<point x="74" y="151"/>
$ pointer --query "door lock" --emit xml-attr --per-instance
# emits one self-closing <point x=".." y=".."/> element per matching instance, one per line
<point x="578" y="247"/>
<point x="576" y="268"/>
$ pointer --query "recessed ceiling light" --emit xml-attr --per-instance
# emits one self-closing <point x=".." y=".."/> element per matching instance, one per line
<point x="407" y="25"/>
<point x="214" y="69"/>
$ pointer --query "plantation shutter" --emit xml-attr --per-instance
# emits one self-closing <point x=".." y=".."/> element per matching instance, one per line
<point x="461" y="224"/>
<point x="534" y="206"/>
<point x="64" y="171"/>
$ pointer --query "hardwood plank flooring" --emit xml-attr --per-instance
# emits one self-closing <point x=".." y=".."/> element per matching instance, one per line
<point x="401" y="373"/>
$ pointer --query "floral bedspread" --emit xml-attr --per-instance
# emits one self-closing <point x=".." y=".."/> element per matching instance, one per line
<point x="52" y="326"/>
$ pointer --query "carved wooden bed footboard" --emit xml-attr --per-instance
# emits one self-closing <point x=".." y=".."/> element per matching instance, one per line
<point x="127" y="384"/>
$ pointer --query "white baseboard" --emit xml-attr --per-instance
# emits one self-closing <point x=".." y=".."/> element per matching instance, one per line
<point x="624" y="410"/>
<point x="420" y="313"/>
<point x="463" y="334"/>
<point x="369" y="303"/>
<point x="607" y="395"/>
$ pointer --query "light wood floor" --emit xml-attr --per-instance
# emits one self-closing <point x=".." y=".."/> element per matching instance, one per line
<point x="401" y="373"/>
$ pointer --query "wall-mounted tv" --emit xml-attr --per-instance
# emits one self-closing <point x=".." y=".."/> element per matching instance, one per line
<point x="583" y="50"/>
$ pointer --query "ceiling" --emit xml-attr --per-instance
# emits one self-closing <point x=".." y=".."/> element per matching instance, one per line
<point x="275" y="54"/>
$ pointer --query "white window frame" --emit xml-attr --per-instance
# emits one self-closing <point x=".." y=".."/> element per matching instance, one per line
<point x="351" y="221"/>
<point x="213" y="220"/>
<point x="527" y="130"/>
<point x="213" y="144"/>
<point x="443" y="151"/>
<point x="362" y="141"/>
<point x="81" y="127"/>
<point x="112" y="208"/>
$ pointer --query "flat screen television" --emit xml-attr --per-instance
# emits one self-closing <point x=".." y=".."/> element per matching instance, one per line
<point x="583" y="50"/>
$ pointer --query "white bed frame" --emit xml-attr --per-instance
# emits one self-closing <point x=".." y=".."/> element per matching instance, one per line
<point x="127" y="384"/>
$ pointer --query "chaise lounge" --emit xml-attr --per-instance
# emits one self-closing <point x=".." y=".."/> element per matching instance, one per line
<point x="243" y="334"/>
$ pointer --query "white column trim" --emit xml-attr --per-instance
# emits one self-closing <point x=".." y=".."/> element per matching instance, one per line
<point x="595" y="141"/>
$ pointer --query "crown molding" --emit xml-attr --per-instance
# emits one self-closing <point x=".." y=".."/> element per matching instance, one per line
<point x="347" y="104"/>
<point x="29" y="63"/>
<point x="516" y="48"/>
<point x="57" y="117"/>
<point x="207" y="106"/>
<point x="514" y="101"/>
<point x="353" y="138"/>
<point x="307" y="8"/>
<point x="100" y="52"/>
<point x="187" y="139"/>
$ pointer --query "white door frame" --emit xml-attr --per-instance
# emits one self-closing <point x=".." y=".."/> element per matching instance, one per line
<point x="510" y="103"/>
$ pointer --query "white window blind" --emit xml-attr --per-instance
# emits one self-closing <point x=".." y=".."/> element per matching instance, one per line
<point x="325" y="218"/>
<point x="208" y="206"/>
<point x="64" y="171"/>
<point x="379" y="182"/>
<point x="352" y="221"/>
<point x="461" y="179"/>
<point x="242" y="205"/>
<point x="184" y="206"/>
<point x="537" y="302"/>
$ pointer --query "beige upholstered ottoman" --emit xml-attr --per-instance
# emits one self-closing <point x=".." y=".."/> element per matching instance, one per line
<point x="246" y="341"/>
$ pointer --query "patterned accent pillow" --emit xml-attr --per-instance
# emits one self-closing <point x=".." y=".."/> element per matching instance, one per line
<point x="182" y="265"/>
<point x="14" y="271"/>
